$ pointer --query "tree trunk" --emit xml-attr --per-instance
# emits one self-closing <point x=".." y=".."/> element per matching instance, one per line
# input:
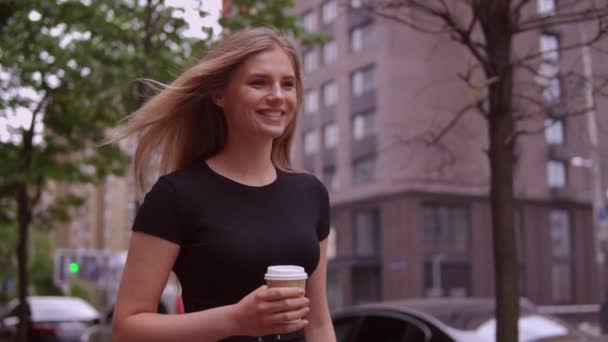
<point x="24" y="219"/>
<point x="494" y="18"/>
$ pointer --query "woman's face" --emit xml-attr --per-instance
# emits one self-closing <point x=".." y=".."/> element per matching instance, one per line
<point x="260" y="98"/>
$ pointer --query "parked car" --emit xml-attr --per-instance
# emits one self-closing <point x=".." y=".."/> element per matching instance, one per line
<point x="444" y="320"/>
<point x="170" y="303"/>
<point x="54" y="319"/>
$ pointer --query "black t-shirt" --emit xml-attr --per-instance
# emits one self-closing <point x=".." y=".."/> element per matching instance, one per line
<point x="229" y="233"/>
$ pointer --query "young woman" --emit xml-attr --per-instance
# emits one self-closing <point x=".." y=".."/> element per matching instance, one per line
<point x="228" y="204"/>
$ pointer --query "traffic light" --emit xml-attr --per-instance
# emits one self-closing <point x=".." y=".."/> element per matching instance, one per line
<point x="74" y="267"/>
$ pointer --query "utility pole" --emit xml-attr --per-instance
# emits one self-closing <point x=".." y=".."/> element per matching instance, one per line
<point x="600" y="221"/>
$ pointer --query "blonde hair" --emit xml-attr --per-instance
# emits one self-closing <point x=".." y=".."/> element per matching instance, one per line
<point x="181" y="124"/>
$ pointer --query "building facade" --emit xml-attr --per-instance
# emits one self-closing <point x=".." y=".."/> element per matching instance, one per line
<point x="412" y="219"/>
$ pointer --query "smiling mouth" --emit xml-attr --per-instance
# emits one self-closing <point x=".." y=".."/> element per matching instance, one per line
<point x="272" y="114"/>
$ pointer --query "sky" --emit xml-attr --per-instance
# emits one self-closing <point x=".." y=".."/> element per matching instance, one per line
<point x="22" y="117"/>
<point x="213" y="7"/>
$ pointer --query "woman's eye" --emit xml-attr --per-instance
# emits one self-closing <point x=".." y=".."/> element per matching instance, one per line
<point x="289" y="85"/>
<point x="258" y="82"/>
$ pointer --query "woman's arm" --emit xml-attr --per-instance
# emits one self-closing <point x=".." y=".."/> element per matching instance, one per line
<point x="321" y="327"/>
<point x="146" y="271"/>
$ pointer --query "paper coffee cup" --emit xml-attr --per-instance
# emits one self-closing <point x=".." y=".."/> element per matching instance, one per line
<point x="286" y="276"/>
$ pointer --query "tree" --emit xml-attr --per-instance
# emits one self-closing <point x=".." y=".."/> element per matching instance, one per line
<point x="67" y="70"/>
<point x="500" y="78"/>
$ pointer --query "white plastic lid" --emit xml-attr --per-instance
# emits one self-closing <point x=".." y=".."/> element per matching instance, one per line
<point x="285" y="272"/>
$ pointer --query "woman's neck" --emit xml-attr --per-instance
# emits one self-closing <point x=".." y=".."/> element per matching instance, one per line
<point x="245" y="162"/>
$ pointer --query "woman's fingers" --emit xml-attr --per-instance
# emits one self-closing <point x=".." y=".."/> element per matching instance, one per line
<point x="288" y="316"/>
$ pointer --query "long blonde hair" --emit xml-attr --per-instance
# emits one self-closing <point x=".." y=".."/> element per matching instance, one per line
<point x="181" y="124"/>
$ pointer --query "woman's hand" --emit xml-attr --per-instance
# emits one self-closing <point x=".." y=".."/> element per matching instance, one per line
<point x="266" y="311"/>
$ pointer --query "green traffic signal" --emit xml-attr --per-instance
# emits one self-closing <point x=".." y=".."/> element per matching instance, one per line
<point x="74" y="267"/>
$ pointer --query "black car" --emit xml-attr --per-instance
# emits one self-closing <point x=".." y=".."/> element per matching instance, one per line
<point x="444" y="320"/>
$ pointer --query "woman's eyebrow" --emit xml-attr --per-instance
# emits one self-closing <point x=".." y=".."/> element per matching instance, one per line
<point x="288" y="77"/>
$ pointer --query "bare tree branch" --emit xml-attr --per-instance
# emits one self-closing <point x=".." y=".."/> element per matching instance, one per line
<point x="601" y="34"/>
<point x="455" y="119"/>
<point x="543" y="21"/>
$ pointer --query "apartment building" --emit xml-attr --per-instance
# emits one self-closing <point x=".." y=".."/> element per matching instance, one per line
<point x="411" y="219"/>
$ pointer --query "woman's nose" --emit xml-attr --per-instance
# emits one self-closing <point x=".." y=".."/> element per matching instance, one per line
<point x="276" y="93"/>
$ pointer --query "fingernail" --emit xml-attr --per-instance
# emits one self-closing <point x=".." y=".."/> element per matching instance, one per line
<point x="305" y="322"/>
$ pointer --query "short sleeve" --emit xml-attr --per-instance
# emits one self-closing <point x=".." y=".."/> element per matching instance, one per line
<point x="158" y="214"/>
<point x="323" y="221"/>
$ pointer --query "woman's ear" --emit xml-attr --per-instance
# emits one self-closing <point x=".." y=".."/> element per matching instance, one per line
<point x="218" y="99"/>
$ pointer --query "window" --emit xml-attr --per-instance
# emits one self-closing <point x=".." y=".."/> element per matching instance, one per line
<point x="364" y="170"/>
<point x="362" y="80"/>
<point x="446" y="230"/>
<point x="329" y="52"/>
<point x="334" y="292"/>
<point x="556" y="174"/>
<point x="366" y="284"/>
<point x="310" y="60"/>
<point x="446" y="251"/>
<point x="330" y="135"/>
<point x="329" y="11"/>
<point x="356" y="3"/>
<point x="364" y="125"/>
<point x="554" y="131"/>
<point x="309" y="20"/>
<point x="549" y="46"/>
<point x="330" y="93"/>
<point x="546" y="7"/>
<point x="361" y="37"/>
<point x="367" y="232"/>
<point x="311" y="144"/>
<point x="330" y="178"/>
<point x="553" y="91"/>
<point x="311" y="101"/>
<point x="561" y="250"/>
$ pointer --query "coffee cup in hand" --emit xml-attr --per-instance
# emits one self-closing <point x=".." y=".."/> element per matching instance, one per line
<point x="286" y="276"/>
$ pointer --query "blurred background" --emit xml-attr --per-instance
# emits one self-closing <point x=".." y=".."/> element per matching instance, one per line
<point x="401" y="121"/>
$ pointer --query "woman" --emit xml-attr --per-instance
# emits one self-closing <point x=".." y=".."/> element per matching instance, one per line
<point x="228" y="205"/>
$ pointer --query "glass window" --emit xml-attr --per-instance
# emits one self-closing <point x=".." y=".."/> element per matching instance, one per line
<point x="330" y="178"/>
<point x="446" y="241"/>
<point x="330" y="135"/>
<point x="329" y="11"/>
<point x="356" y="3"/>
<point x="364" y="125"/>
<point x="560" y="233"/>
<point x="446" y="230"/>
<point x="362" y="80"/>
<point x="330" y="93"/>
<point x="309" y="20"/>
<point x="561" y="250"/>
<point x="553" y="91"/>
<point x="554" y="131"/>
<point x="364" y="170"/>
<point x="311" y="101"/>
<point x="366" y="284"/>
<point x="334" y="292"/>
<point x="310" y="60"/>
<point x="546" y="6"/>
<point x="367" y="232"/>
<point x="311" y="144"/>
<point x="361" y="37"/>
<point x="556" y="174"/>
<point x="329" y="52"/>
<point x="549" y="46"/>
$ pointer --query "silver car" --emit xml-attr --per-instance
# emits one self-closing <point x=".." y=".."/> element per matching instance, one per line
<point x="60" y="319"/>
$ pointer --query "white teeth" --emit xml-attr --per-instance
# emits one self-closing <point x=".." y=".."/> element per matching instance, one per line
<point x="272" y="114"/>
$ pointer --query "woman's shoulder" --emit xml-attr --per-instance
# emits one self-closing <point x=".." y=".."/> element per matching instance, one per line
<point x="304" y="179"/>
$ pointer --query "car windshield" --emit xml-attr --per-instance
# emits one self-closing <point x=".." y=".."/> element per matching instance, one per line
<point x="61" y="309"/>
<point x="531" y="328"/>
